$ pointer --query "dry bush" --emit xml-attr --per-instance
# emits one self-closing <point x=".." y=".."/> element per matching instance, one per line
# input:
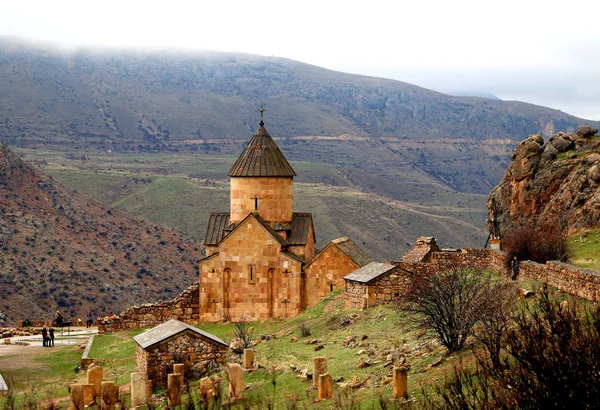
<point x="539" y="243"/>
<point x="450" y="303"/>
<point x="551" y="360"/>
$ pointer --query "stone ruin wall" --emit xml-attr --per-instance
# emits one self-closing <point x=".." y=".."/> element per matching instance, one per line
<point x="184" y="307"/>
<point x="584" y="283"/>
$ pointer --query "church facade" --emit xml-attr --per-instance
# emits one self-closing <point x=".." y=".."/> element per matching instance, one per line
<point x="260" y="256"/>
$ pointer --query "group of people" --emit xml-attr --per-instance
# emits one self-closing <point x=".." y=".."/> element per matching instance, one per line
<point x="48" y="336"/>
<point x="89" y="320"/>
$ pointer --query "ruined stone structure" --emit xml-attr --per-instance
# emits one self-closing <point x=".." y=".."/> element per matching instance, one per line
<point x="386" y="285"/>
<point x="159" y="348"/>
<point x="184" y="307"/>
<point x="260" y="256"/>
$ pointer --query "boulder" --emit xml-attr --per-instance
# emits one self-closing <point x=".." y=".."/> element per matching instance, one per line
<point x="525" y="159"/>
<point x="561" y="142"/>
<point x="586" y="131"/>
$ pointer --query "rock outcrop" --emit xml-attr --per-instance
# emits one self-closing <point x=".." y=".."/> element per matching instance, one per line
<point x="556" y="182"/>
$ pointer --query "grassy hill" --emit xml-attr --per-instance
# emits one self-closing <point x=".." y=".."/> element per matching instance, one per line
<point x="180" y="190"/>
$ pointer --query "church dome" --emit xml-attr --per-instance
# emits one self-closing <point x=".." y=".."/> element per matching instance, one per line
<point x="262" y="158"/>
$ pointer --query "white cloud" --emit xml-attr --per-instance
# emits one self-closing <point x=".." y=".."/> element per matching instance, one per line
<point x="475" y="37"/>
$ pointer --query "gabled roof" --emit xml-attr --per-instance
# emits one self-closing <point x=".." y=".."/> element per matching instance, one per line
<point x="352" y="250"/>
<point x="169" y="329"/>
<point x="261" y="158"/>
<point x="264" y="223"/>
<point x="299" y="229"/>
<point x="369" y="272"/>
<point x="217" y="223"/>
<point x="219" y="227"/>
<point x="357" y="255"/>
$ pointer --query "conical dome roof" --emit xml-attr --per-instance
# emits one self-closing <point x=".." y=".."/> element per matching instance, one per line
<point x="261" y="158"/>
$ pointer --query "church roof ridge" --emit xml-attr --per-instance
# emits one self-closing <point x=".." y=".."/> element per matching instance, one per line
<point x="262" y="158"/>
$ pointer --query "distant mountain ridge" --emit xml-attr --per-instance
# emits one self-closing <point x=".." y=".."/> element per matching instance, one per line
<point x="94" y="98"/>
<point x="63" y="250"/>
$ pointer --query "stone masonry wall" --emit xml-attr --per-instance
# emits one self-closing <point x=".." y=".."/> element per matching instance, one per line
<point x="389" y="288"/>
<point x="584" y="283"/>
<point x="184" y="307"/>
<point x="194" y="351"/>
<point x="356" y="294"/>
<point x="329" y="268"/>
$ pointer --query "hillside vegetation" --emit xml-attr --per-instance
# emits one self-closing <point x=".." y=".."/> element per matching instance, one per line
<point x="180" y="190"/>
<point x="63" y="250"/>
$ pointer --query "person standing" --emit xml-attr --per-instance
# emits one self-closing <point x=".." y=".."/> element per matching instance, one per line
<point x="514" y="264"/>
<point x="45" y="336"/>
<point x="88" y="319"/>
<point x="51" y="338"/>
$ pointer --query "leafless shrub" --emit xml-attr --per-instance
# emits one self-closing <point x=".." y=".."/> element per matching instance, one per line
<point x="304" y="329"/>
<point x="551" y="361"/>
<point x="496" y="319"/>
<point x="450" y="303"/>
<point x="243" y="332"/>
<point x="539" y="243"/>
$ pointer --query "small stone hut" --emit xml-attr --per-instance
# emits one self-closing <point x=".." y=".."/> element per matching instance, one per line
<point x="177" y="342"/>
<point x="376" y="283"/>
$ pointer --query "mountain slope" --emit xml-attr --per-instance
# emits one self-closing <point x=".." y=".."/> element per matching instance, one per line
<point x="63" y="250"/>
<point x="114" y="100"/>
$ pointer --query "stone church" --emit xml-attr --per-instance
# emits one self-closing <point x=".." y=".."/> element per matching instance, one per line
<point x="260" y="256"/>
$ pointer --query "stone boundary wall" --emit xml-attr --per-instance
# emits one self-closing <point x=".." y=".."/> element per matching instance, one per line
<point x="581" y="282"/>
<point x="87" y="361"/>
<point x="184" y="307"/>
<point x="584" y="283"/>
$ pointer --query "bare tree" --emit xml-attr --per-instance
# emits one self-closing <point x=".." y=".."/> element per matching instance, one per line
<point x="496" y="319"/>
<point x="450" y="303"/>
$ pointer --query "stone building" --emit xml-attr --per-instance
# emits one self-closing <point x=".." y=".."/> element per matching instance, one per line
<point x="173" y="342"/>
<point x="260" y="256"/>
<point x="375" y="284"/>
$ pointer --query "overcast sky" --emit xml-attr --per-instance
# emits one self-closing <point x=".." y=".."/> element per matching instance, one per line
<point x="543" y="52"/>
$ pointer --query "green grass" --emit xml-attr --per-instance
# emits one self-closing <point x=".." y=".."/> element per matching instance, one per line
<point x="585" y="249"/>
<point x="381" y="208"/>
<point x="48" y="376"/>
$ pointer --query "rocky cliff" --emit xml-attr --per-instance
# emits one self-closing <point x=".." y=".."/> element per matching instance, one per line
<point x="554" y="182"/>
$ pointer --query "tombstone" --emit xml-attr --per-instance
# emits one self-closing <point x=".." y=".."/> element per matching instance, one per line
<point x="235" y="375"/>
<point x="399" y="382"/>
<point x="139" y="395"/>
<point x="174" y="390"/>
<point x="319" y="367"/>
<point x="179" y="368"/>
<point x="108" y="395"/>
<point x="89" y="391"/>
<point x="207" y="389"/>
<point x="76" y="394"/>
<point x="325" y="386"/>
<point x="94" y="376"/>
<point x="249" y="355"/>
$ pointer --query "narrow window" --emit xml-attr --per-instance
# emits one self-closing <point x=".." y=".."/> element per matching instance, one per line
<point x="331" y="287"/>
<point x="251" y="270"/>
